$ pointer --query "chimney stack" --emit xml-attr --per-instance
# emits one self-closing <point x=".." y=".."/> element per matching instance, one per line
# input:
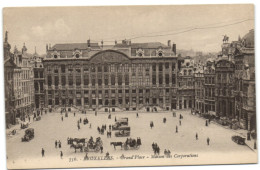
<point x="88" y="42"/>
<point x="174" y="48"/>
<point x="169" y="43"/>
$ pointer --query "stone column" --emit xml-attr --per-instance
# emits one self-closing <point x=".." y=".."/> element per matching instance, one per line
<point x="96" y="85"/>
<point x="157" y="74"/>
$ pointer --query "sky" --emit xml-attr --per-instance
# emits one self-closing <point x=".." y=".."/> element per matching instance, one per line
<point x="37" y="27"/>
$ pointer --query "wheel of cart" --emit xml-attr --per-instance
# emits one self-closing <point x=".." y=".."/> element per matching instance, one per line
<point x="97" y="149"/>
<point x="126" y="147"/>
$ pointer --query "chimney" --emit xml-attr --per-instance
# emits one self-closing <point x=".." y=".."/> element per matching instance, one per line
<point x="174" y="48"/>
<point x="88" y="42"/>
<point x="115" y="42"/>
<point x="102" y="42"/>
<point x="46" y="47"/>
<point x="169" y="43"/>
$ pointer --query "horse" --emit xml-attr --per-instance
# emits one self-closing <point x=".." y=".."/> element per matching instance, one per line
<point x="77" y="146"/>
<point x="116" y="144"/>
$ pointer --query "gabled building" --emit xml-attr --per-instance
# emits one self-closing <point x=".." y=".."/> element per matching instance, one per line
<point x="186" y="92"/>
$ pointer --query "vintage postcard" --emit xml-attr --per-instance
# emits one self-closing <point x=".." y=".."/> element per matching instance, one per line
<point x="120" y="86"/>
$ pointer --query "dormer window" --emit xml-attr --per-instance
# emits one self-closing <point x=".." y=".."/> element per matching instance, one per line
<point x="159" y="52"/>
<point x="55" y="56"/>
<point x="139" y="53"/>
<point x="77" y="55"/>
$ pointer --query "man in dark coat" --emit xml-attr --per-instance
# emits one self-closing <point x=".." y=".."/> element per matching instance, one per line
<point x="43" y="152"/>
<point x="61" y="154"/>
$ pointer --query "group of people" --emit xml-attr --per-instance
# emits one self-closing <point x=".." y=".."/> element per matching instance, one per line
<point x="156" y="148"/>
<point x="167" y="152"/>
<point x="57" y="144"/>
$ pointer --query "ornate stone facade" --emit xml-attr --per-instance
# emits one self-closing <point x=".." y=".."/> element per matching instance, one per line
<point x="128" y="76"/>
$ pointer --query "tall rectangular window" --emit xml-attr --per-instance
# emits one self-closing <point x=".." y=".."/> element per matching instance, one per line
<point x="78" y="80"/>
<point x="154" y="79"/>
<point x="63" y="68"/>
<point x="86" y="80"/>
<point x="106" y="80"/>
<point x="126" y="79"/>
<point x="49" y="80"/>
<point x="167" y="79"/>
<point x="56" y="79"/>
<point x="113" y="79"/>
<point x="120" y="81"/>
<point x="70" y="78"/>
<point x="63" y="80"/>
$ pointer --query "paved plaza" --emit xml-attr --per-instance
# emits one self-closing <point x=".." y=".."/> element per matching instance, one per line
<point x="51" y="128"/>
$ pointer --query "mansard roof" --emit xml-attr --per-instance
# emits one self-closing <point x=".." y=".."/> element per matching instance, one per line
<point x="143" y="45"/>
<point x="73" y="46"/>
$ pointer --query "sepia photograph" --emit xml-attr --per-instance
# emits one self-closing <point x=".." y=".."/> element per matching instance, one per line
<point x="123" y="86"/>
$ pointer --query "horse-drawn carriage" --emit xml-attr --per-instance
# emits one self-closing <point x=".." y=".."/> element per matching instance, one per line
<point x="132" y="144"/>
<point x="120" y="122"/>
<point x="77" y="143"/>
<point x="24" y="126"/>
<point x="123" y="131"/>
<point x="85" y="121"/>
<point x="93" y="146"/>
<point x="239" y="140"/>
<point x="29" y="134"/>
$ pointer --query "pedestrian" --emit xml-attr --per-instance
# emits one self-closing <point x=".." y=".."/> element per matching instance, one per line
<point x="74" y="114"/>
<point x="59" y="144"/>
<point x="107" y="154"/>
<point x="101" y="149"/>
<point x="208" y="140"/>
<point x="180" y="122"/>
<point x="43" y="152"/>
<point x="80" y="120"/>
<point x="197" y="136"/>
<point x="115" y="119"/>
<point x="209" y="120"/>
<point x="29" y="118"/>
<point x="61" y="118"/>
<point x="90" y="126"/>
<point x="165" y="152"/>
<point x="176" y="129"/>
<point x="109" y="127"/>
<point x="206" y="123"/>
<point x="95" y="113"/>
<point x="56" y="143"/>
<point x="137" y="115"/>
<point x="78" y="127"/>
<point x="61" y="154"/>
